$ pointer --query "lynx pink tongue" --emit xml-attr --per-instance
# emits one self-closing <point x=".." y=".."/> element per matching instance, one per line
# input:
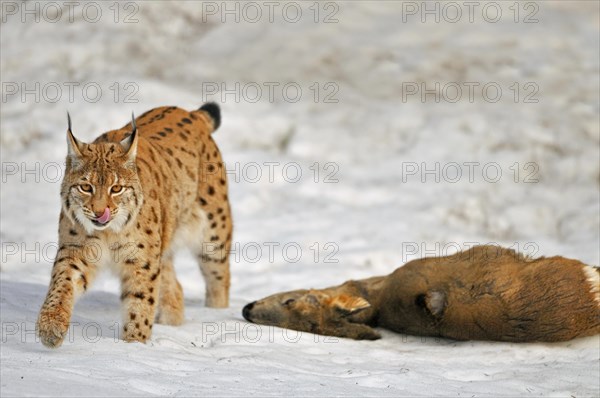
<point x="103" y="219"/>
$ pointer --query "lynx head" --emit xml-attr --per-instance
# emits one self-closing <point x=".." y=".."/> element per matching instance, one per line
<point x="101" y="188"/>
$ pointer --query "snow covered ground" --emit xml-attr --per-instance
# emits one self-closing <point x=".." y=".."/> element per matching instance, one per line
<point x="388" y="171"/>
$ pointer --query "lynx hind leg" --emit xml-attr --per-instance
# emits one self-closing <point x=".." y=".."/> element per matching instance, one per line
<point x="215" y="270"/>
<point x="214" y="255"/>
<point x="216" y="242"/>
<point x="170" y="298"/>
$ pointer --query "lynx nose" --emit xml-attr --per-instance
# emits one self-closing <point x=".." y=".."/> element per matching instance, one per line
<point x="100" y="213"/>
<point x="246" y="311"/>
<point x="103" y="217"/>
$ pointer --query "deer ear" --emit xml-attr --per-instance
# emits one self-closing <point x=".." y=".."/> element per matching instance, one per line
<point x="349" y="305"/>
<point x="434" y="302"/>
<point x="129" y="143"/>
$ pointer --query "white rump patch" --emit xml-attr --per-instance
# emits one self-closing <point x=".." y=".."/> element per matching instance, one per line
<point x="436" y="302"/>
<point x="593" y="278"/>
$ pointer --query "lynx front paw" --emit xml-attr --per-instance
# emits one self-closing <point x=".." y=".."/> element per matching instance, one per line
<point x="52" y="326"/>
<point x="133" y="332"/>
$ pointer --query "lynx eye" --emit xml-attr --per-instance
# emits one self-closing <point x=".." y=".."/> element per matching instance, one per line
<point x="87" y="188"/>
<point x="116" y="188"/>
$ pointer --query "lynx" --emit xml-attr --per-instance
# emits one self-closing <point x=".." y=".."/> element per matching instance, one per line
<point x="129" y="200"/>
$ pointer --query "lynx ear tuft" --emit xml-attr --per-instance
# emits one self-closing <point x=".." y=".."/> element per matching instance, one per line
<point x="73" y="145"/>
<point x="129" y="143"/>
<point x="349" y="305"/>
<point x="133" y="125"/>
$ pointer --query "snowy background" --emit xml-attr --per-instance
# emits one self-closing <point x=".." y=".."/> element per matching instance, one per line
<point x="386" y="176"/>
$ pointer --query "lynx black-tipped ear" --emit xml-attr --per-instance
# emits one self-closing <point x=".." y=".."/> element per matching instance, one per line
<point x="73" y="145"/>
<point x="433" y="302"/>
<point x="129" y="143"/>
<point x="133" y="125"/>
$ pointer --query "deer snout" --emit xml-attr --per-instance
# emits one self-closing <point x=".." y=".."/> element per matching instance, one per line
<point x="246" y="311"/>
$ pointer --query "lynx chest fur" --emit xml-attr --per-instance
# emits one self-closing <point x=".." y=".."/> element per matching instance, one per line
<point x="129" y="199"/>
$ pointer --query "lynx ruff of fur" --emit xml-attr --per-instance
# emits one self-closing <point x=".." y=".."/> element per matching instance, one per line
<point x="161" y="180"/>
<point x="485" y="293"/>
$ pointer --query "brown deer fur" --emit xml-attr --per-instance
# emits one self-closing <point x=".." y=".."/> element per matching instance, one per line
<point x="485" y="293"/>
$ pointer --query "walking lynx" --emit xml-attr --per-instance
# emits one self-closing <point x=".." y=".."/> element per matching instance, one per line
<point x="129" y="199"/>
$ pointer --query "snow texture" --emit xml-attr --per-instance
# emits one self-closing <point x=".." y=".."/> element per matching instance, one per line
<point x="377" y="201"/>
